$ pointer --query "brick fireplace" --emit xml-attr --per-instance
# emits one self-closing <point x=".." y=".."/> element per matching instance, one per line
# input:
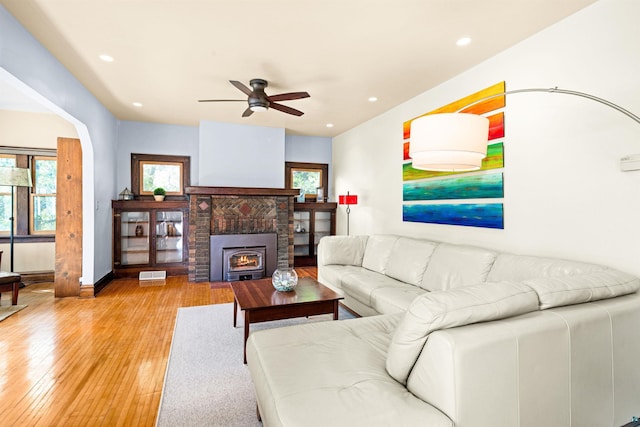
<point x="237" y="210"/>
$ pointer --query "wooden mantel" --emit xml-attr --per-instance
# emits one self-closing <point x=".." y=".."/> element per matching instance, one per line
<point x="240" y="191"/>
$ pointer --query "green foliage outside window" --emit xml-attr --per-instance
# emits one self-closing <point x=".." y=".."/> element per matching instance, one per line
<point x="167" y="176"/>
<point x="307" y="181"/>
<point x="44" y="195"/>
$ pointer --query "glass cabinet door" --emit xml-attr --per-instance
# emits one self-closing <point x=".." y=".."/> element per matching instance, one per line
<point x="301" y="226"/>
<point x="134" y="238"/>
<point x="322" y="227"/>
<point x="169" y="235"/>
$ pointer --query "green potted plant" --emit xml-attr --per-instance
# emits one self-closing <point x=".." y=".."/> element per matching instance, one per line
<point x="159" y="194"/>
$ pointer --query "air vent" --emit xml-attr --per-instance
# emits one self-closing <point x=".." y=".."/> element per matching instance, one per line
<point x="152" y="275"/>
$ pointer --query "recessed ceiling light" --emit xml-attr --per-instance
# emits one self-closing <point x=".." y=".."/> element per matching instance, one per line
<point x="372" y="99"/>
<point x="106" y="58"/>
<point x="136" y="104"/>
<point x="463" y="41"/>
<point x="329" y="125"/>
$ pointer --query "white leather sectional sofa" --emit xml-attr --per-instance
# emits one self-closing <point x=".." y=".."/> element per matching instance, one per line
<point x="455" y="336"/>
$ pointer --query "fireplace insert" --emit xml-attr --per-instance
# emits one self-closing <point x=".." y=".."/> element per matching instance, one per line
<point x="244" y="263"/>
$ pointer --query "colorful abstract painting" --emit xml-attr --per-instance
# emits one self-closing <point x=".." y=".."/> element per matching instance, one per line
<point x="472" y="198"/>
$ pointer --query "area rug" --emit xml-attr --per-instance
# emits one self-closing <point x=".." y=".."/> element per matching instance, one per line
<point x="7" y="311"/>
<point x="207" y="383"/>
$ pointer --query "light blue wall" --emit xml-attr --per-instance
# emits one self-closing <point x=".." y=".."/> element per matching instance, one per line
<point x="233" y="155"/>
<point x="310" y="149"/>
<point x="26" y="63"/>
<point x="154" y="138"/>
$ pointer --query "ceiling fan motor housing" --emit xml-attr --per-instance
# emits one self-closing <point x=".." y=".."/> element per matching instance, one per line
<point x="258" y="98"/>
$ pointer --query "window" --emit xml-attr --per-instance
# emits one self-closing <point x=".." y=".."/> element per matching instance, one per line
<point x="34" y="209"/>
<point x="42" y="218"/>
<point x="150" y="171"/>
<point x="307" y="177"/>
<point x="6" y="160"/>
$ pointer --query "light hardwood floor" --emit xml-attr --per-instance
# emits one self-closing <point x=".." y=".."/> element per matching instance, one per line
<point x="94" y="362"/>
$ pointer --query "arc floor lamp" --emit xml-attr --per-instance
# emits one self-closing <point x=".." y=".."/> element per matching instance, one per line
<point x="458" y="141"/>
<point x="14" y="177"/>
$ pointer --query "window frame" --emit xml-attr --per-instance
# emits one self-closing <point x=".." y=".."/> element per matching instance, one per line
<point x="33" y="194"/>
<point x="323" y="168"/>
<point x="138" y="160"/>
<point x="22" y="199"/>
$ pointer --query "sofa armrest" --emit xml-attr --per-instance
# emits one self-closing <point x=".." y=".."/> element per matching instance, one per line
<point x="341" y="250"/>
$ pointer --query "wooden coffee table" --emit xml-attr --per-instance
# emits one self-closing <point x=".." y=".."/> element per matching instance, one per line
<point x="262" y="303"/>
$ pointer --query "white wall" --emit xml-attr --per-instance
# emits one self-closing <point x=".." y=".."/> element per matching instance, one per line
<point x="154" y="138"/>
<point x="310" y="149"/>
<point x="33" y="130"/>
<point x="564" y="193"/>
<point x="233" y="155"/>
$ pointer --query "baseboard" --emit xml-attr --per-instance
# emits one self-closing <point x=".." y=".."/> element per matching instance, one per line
<point x="102" y="283"/>
<point x="29" y="277"/>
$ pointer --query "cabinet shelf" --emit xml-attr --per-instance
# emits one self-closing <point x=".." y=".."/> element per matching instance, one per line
<point x="318" y="220"/>
<point x="162" y="245"/>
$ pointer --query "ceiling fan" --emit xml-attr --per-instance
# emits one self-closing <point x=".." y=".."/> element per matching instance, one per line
<point x="260" y="101"/>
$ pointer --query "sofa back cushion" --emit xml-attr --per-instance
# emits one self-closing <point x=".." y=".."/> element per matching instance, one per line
<point x="341" y="250"/>
<point x="521" y="267"/>
<point x="578" y="289"/>
<point x="447" y="309"/>
<point x="408" y="260"/>
<point x="377" y="252"/>
<point x="452" y="266"/>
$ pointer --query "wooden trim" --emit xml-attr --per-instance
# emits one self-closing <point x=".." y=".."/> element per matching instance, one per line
<point x="323" y="167"/>
<point x="240" y="191"/>
<point x="102" y="283"/>
<point x="135" y="172"/>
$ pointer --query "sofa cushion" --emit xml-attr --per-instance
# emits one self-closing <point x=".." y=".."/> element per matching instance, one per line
<point x="521" y="267"/>
<point x="377" y="253"/>
<point x="331" y="374"/>
<point x="452" y="266"/>
<point x="448" y="309"/>
<point x="341" y="250"/>
<point x="408" y="260"/>
<point x="331" y="275"/>
<point x="577" y="289"/>
<point x="394" y="300"/>
<point x="362" y="283"/>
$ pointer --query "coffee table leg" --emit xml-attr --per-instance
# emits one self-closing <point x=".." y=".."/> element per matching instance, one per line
<point x="335" y="310"/>
<point x="235" y="312"/>
<point x="247" y="322"/>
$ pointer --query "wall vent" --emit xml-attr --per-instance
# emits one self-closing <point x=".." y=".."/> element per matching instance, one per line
<point x="152" y="275"/>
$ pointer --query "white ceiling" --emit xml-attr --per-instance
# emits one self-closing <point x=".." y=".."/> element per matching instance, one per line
<point x="170" y="53"/>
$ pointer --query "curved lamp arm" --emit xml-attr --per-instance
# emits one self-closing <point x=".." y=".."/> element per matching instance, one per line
<point x="458" y="141"/>
<point x="563" y="91"/>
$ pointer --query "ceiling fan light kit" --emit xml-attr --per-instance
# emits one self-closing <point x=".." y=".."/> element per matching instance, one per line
<point x="259" y="101"/>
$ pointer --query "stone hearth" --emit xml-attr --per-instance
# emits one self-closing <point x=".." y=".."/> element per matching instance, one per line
<point x="231" y="210"/>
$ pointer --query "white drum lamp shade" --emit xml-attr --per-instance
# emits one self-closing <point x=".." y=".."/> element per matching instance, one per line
<point x="449" y="142"/>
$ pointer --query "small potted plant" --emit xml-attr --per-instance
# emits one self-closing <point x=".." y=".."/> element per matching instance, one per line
<point x="159" y="194"/>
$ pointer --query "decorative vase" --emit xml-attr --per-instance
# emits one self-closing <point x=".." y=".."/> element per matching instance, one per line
<point x="158" y="198"/>
<point x="139" y="231"/>
<point x="284" y="279"/>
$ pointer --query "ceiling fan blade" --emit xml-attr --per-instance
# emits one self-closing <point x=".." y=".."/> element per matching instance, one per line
<point x="241" y="86"/>
<point x="222" y="100"/>
<point x="289" y="96"/>
<point x="247" y="112"/>
<point x="286" y="109"/>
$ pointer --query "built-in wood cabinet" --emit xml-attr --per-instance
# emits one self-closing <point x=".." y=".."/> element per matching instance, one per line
<point x="150" y="236"/>
<point x="311" y="222"/>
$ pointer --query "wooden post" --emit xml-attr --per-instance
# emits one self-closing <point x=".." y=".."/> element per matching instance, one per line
<point x="68" y="218"/>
